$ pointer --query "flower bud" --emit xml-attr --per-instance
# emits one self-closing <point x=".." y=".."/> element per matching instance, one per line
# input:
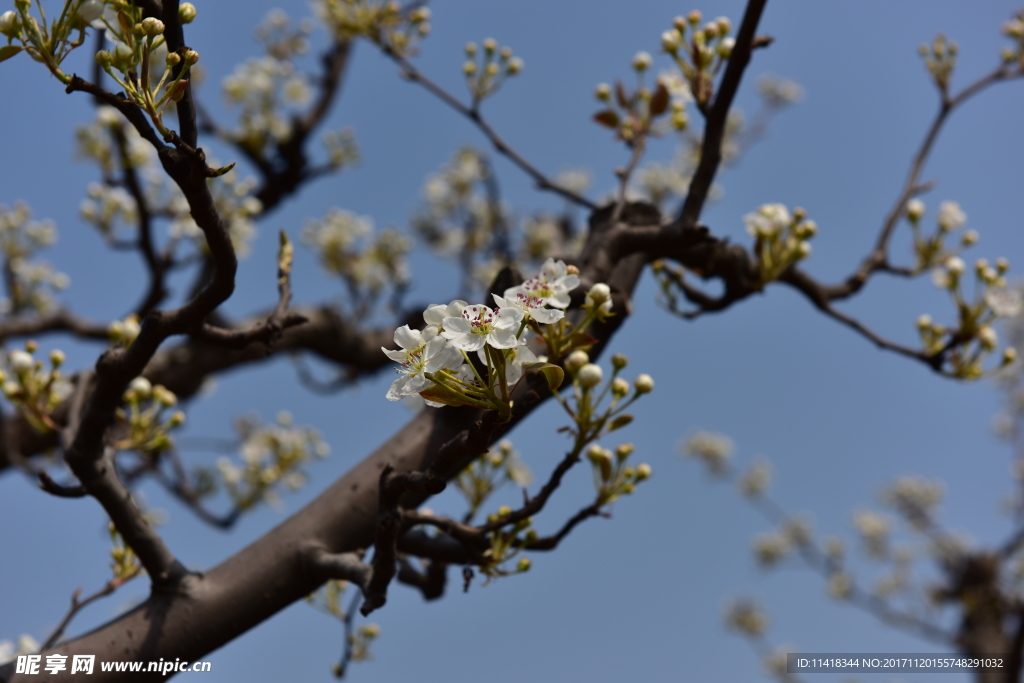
<point x="643" y="471"/>
<point x="141" y="387"/>
<point x="10" y="23"/>
<point x="600" y="293"/>
<point x="469" y="68"/>
<point x="589" y="375"/>
<point x="970" y="237"/>
<point x="924" y="321"/>
<point x="603" y="92"/>
<point x="1002" y="265"/>
<point x="164" y="396"/>
<point x="694" y="17"/>
<point x="576" y="360"/>
<point x="104" y="58"/>
<point x="504" y="511"/>
<point x="152" y="26"/>
<point x="22" y="5"/>
<point x="987" y="338"/>
<point x="524" y="564"/>
<point x="642" y="61"/>
<point x="670" y="41"/>
<point x="955" y="265"/>
<point x="172" y="60"/>
<point x="1009" y="355"/>
<point x="806" y="229"/>
<point x="624" y="450"/>
<point x="644" y="384"/>
<point x="191" y="57"/>
<point x="470" y="49"/>
<point x="21" y="362"/>
<point x="492" y="69"/>
<point x="490" y="45"/>
<point x="620" y="387"/>
<point x="619" y="361"/>
<point x="515" y="65"/>
<point x="57" y="358"/>
<point x="915" y="210"/>
<point x="724" y="25"/>
<point x="187" y="12"/>
<point x="177" y="418"/>
<point x="726" y="47"/>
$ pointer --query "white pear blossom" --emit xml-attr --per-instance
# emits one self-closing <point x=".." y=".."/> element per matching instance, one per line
<point x="552" y="284"/>
<point x="419" y="353"/>
<point x="436" y="313"/>
<point x="951" y="216"/>
<point x="1004" y="302"/>
<point x="532" y="306"/>
<point x="478" y="325"/>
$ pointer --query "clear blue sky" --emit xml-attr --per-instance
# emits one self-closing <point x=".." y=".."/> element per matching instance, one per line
<point x="639" y="596"/>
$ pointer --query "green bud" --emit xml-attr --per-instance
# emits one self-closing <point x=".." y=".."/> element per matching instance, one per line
<point x="186" y="12"/>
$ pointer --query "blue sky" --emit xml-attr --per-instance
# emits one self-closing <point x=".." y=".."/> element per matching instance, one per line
<point x="639" y="596"/>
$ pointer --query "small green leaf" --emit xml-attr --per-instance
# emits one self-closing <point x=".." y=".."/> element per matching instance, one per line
<point x="607" y="118"/>
<point x="217" y="172"/>
<point x="620" y="422"/>
<point x="8" y="51"/>
<point x="659" y="101"/>
<point x="552" y="373"/>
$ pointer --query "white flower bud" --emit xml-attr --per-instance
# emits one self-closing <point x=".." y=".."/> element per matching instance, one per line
<point x="589" y="375"/>
<point x="187" y="12"/>
<point x="490" y="45"/>
<point x="21" y="362"/>
<point x="576" y="360"/>
<point x="620" y="387"/>
<point x="600" y="293"/>
<point x="955" y="265"/>
<point x="191" y="57"/>
<point x="671" y="40"/>
<point x="642" y="61"/>
<point x="643" y="471"/>
<point x="141" y="387"/>
<point x="915" y="209"/>
<point x="515" y="65"/>
<point x="10" y="23"/>
<point x="644" y="384"/>
<point x="90" y="10"/>
<point x="603" y="92"/>
<point x="726" y="47"/>
<point x="57" y="358"/>
<point x="924" y="321"/>
<point x="987" y="338"/>
<point x="469" y="68"/>
<point x="970" y="237"/>
<point x="1009" y="355"/>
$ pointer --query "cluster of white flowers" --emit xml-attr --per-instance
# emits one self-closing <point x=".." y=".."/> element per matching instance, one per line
<point x="34" y="390"/>
<point x="973" y="338"/>
<point x="698" y="51"/>
<point x="270" y="454"/>
<point x="385" y="23"/>
<point x="9" y="651"/>
<point x="486" y="70"/>
<point x="915" y="499"/>
<point x="874" y="532"/>
<point x="349" y="248"/>
<point x="778" y="92"/>
<point x="781" y="239"/>
<point x="1014" y="30"/>
<point x="746" y="617"/>
<point x="261" y="86"/>
<point x="237" y="208"/>
<point x="714" y="450"/>
<point x="939" y="59"/>
<point x="32" y="283"/>
<point x="108" y="208"/>
<point x="435" y="362"/>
